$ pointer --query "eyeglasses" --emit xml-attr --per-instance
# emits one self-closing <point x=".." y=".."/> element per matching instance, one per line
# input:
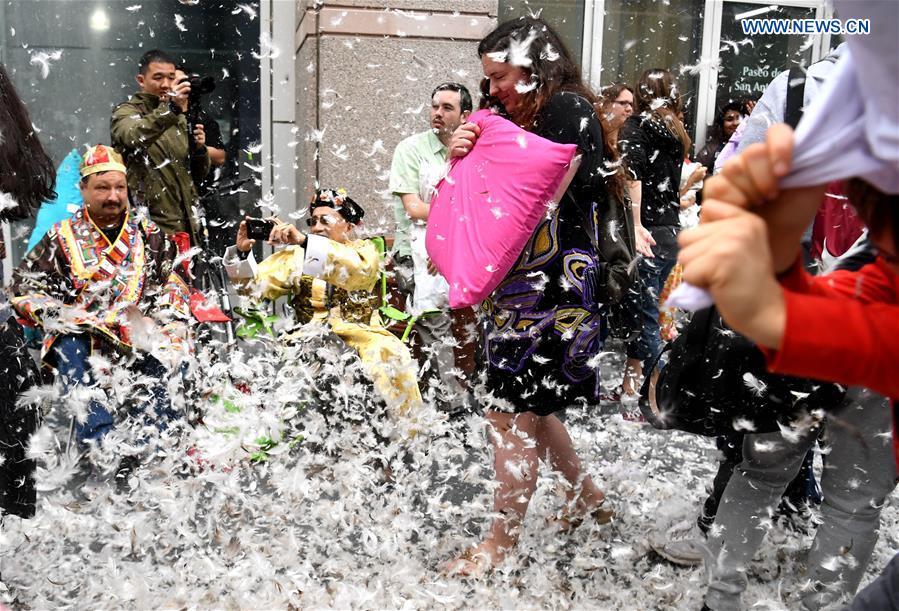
<point x="325" y="219"/>
<point x="624" y="103"/>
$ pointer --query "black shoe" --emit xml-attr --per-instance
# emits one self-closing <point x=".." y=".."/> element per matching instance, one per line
<point x="127" y="466"/>
<point x="795" y="516"/>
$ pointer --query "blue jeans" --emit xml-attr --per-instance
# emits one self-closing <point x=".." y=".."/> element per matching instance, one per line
<point x="653" y="273"/>
<point x="71" y="353"/>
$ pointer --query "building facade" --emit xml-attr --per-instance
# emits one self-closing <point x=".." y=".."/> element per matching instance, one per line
<point x="361" y="71"/>
<point x="319" y="92"/>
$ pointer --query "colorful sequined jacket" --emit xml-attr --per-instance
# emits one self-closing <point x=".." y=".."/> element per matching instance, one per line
<point x="74" y="280"/>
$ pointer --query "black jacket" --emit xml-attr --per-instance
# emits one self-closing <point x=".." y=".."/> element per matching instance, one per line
<point x="654" y="156"/>
<point x="18" y="372"/>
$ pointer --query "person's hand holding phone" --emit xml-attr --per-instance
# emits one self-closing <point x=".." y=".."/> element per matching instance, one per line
<point x="244" y="242"/>
<point x="286" y="233"/>
<point x="273" y="231"/>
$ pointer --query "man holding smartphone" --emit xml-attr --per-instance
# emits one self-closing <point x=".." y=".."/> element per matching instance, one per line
<point x="330" y="279"/>
<point x="151" y="132"/>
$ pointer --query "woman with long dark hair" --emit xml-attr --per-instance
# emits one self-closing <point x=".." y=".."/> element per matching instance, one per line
<point x="726" y="123"/>
<point x="615" y="105"/>
<point x="27" y="175"/>
<point x="652" y="143"/>
<point x="542" y="329"/>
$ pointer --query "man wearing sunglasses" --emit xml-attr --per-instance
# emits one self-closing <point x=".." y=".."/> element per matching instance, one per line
<point x="329" y="277"/>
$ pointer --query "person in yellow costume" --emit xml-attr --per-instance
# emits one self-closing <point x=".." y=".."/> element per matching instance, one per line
<point x="330" y="278"/>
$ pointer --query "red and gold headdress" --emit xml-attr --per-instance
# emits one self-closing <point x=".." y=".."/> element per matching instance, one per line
<point x="101" y="158"/>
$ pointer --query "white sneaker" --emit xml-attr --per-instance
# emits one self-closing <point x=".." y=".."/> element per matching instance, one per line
<point x="684" y="544"/>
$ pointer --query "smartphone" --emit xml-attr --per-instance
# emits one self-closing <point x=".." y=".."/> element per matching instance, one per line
<point x="259" y="229"/>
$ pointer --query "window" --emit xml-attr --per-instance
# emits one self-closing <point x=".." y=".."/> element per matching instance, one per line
<point x="640" y="35"/>
<point x="748" y="65"/>
<point x="91" y="51"/>
<point x="565" y="16"/>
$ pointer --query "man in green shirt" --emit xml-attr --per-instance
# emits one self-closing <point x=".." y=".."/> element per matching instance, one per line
<point x="151" y="132"/>
<point x="419" y="162"/>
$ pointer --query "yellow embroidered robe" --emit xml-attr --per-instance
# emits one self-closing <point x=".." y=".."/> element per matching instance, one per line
<point x="332" y="283"/>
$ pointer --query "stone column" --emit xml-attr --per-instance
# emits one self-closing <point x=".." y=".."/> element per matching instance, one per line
<point x="364" y="72"/>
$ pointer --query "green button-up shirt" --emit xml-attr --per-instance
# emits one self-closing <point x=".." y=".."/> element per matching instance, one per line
<point x="418" y="163"/>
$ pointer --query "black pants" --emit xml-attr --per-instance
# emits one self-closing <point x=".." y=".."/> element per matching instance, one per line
<point x="882" y="593"/>
<point x="18" y="372"/>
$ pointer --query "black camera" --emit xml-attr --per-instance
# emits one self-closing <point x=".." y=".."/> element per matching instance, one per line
<point x="199" y="85"/>
<point x="259" y="229"/>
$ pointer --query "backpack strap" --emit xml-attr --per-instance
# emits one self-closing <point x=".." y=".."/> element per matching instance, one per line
<point x="795" y="95"/>
<point x="700" y="328"/>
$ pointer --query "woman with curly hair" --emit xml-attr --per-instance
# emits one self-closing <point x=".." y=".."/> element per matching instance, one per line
<point x="615" y="105"/>
<point x="542" y="325"/>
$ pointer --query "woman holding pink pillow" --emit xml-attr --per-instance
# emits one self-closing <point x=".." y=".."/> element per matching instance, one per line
<point x="543" y="325"/>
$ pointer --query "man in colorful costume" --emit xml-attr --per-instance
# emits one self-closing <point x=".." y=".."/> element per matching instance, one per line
<point x="330" y="280"/>
<point x="103" y="282"/>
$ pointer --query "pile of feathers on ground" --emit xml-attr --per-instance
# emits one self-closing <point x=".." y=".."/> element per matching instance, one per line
<point x="291" y="485"/>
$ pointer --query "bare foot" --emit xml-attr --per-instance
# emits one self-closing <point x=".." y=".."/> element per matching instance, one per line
<point x="633" y="371"/>
<point x="476" y="562"/>
<point x="570" y="518"/>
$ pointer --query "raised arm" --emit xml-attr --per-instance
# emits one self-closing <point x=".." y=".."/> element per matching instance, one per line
<point x="132" y="131"/>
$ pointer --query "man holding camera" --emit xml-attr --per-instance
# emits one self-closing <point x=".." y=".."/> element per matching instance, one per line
<point x="163" y="157"/>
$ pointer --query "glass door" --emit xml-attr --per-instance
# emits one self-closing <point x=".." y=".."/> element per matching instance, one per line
<point x="737" y="66"/>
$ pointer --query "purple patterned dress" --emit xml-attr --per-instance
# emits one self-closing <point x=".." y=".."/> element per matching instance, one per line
<point x="543" y="325"/>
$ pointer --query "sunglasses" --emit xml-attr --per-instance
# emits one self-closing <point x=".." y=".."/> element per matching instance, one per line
<point x="325" y="219"/>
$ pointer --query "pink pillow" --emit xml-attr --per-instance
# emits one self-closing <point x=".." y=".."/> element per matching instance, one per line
<point x="490" y="203"/>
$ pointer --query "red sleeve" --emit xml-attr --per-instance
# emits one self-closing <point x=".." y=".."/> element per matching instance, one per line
<point x="842" y="327"/>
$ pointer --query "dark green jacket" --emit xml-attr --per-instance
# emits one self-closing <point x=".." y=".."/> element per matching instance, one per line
<point x="153" y="140"/>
